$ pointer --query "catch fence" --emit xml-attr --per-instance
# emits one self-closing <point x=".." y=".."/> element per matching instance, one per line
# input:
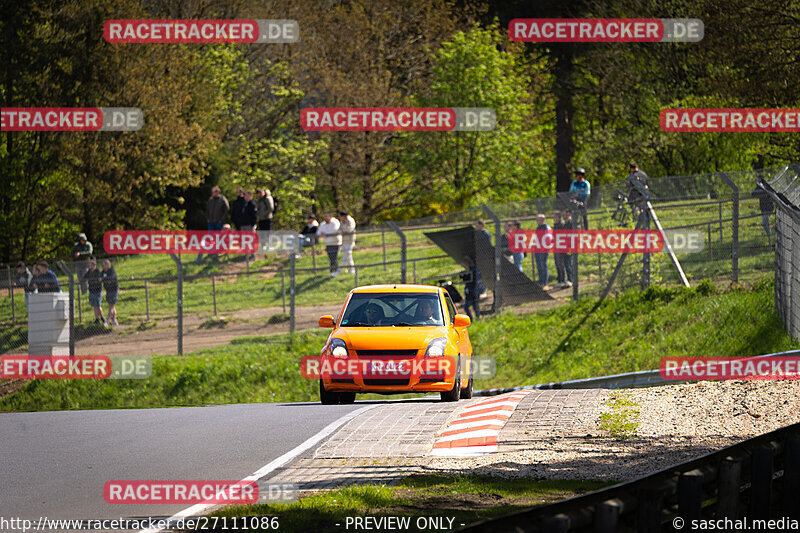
<point x="226" y="296"/>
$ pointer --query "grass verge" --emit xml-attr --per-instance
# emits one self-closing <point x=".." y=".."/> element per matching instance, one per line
<point x="629" y="333"/>
<point x="451" y="501"/>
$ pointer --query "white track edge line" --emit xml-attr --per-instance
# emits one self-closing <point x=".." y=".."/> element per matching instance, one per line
<point x="269" y="467"/>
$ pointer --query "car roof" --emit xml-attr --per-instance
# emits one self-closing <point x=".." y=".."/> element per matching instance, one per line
<point x="397" y="288"/>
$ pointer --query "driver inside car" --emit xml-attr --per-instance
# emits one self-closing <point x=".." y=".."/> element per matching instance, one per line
<point x="425" y="312"/>
<point x="373" y="314"/>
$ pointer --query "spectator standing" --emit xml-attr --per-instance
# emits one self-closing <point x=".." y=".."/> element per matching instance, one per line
<point x="265" y="209"/>
<point x="505" y="250"/>
<point x="81" y="253"/>
<point x="541" y="258"/>
<point x="308" y="235"/>
<point x="112" y="291"/>
<point x="216" y="212"/>
<point x="94" y="279"/>
<point x="347" y="226"/>
<point x="249" y="216"/>
<point x="563" y="265"/>
<point x="24" y="280"/>
<point x="332" y="237"/>
<point x="580" y="190"/>
<point x="45" y="280"/>
<point x="237" y="209"/>
<point x="765" y="206"/>
<point x="482" y="233"/>
<point x="517" y="256"/>
<point x="473" y="284"/>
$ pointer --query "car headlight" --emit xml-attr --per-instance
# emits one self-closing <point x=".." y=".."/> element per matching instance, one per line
<point x="339" y="348"/>
<point x="436" y="347"/>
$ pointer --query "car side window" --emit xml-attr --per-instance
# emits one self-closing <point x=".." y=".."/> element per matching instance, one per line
<point x="451" y="309"/>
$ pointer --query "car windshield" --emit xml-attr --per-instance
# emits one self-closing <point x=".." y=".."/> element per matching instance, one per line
<point x="393" y="309"/>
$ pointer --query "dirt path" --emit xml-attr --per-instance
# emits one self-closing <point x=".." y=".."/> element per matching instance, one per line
<point x="201" y="332"/>
<point x="126" y="340"/>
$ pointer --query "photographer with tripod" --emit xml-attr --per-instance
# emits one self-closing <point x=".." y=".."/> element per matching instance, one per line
<point x="637" y="183"/>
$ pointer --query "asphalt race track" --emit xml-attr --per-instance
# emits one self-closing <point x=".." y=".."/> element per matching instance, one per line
<point x="55" y="463"/>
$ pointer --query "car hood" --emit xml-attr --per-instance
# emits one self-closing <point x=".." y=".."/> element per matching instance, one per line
<point x="390" y="338"/>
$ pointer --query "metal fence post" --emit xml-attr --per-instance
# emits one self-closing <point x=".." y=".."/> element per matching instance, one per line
<point x="574" y="257"/>
<point x="498" y="257"/>
<point x="179" y="266"/>
<point x="646" y="226"/>
<point x="80" y="311"/>
<point x="147" y="300"/>
<point x="734" y="226"/>
<point x="383" y="244"/>
<point x="292" y="261"/>
<point x="355" y="270"/>
<point x="314" y="256"/>
<point x="214" y="292"/>
<point x="11" y="294"/>
<point x="403" y="258"/>
<point x="283" y="290"/>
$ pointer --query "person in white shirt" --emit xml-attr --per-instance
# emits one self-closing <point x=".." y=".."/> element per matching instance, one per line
<point x="329" y="232"/>
<point x="347" y="227"/>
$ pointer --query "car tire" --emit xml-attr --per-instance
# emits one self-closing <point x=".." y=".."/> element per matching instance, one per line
<point x="453" y="394"/>
<point x="347" y="397"/>
<point x="327" y="397"/>
<point x="466" y="393"/>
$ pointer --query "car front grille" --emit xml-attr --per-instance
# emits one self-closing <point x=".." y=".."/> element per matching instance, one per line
<point x="393" y="382"/>
<point x="407" y="354"/>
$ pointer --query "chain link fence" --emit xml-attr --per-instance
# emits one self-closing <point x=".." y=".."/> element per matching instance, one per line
<point x="228" y="296"/>
<point x="783" y="189"/>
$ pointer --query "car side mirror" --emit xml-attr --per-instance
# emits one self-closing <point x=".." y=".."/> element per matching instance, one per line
<point x="326" y="321"/>
<point x="460" y="321"/>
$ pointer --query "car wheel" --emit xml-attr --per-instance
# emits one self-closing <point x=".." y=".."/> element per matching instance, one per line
<point x="466" y="393"/>
<point x="452" y="394"/>
<point x="347" y="397"/>
<point x="327" y="397"/>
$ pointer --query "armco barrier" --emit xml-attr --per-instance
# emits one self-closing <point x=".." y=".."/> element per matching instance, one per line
<point x="644" y="378"/>
<point x="758" y="479"/>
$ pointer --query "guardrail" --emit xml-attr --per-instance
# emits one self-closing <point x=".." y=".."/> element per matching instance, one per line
<point x="757" y="479"/>
<point x="644" y="378"/>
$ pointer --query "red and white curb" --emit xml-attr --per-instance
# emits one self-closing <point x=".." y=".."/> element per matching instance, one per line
<point x="475" y="430"/>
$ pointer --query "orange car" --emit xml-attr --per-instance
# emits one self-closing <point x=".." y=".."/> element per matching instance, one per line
<point x="397" y="339"/>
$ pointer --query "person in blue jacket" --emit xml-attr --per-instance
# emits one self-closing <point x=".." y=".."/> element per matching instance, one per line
<point x="580" y="190"/>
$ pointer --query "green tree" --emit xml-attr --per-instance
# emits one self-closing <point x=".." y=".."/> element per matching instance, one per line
<point x="480" y="68"/>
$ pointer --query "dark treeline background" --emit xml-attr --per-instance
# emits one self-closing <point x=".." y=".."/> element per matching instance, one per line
<point x="229" y="114"/>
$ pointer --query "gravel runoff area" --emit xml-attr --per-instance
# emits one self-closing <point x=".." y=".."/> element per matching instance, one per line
<point x="674" y="423"/>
